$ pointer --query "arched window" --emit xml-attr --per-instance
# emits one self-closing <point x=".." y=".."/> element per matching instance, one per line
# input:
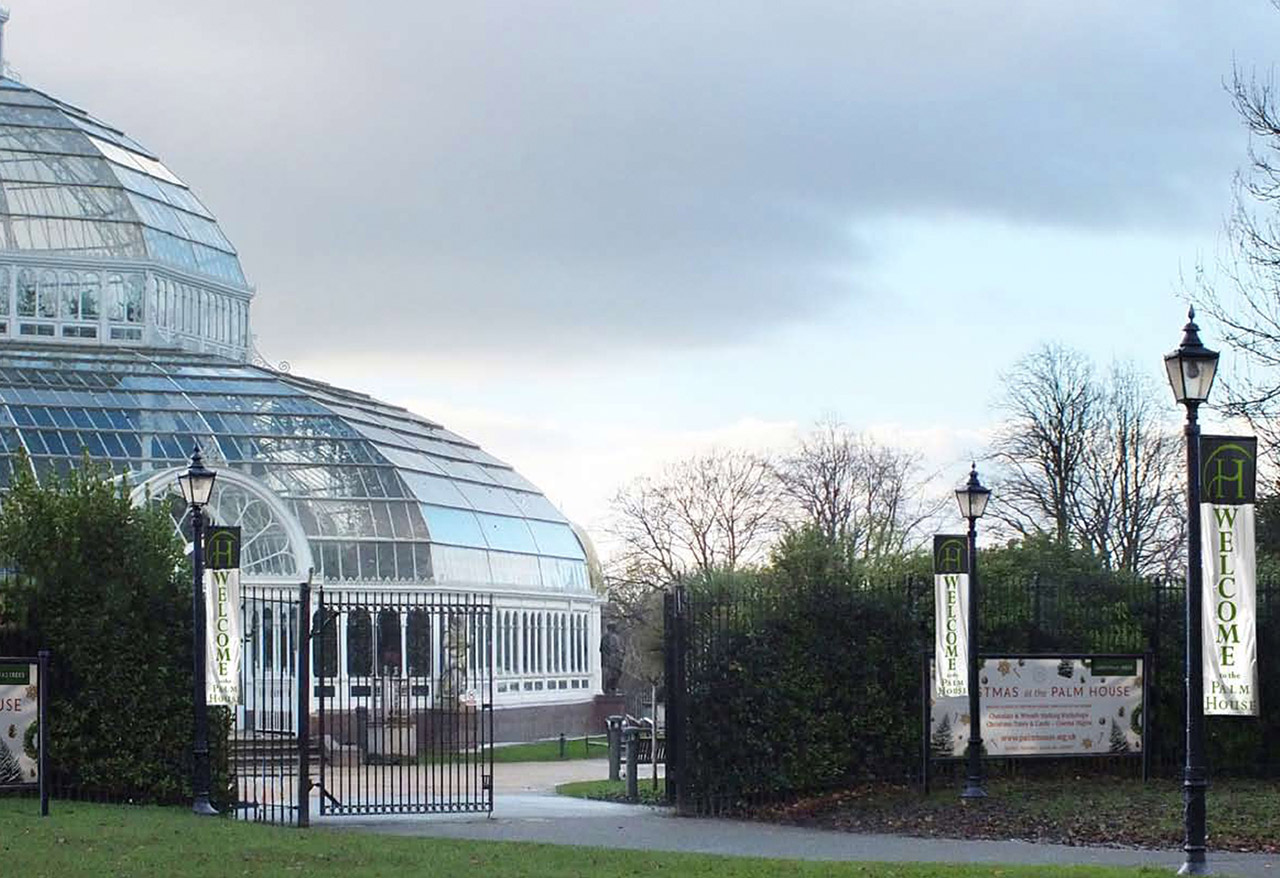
<point x="553" y="660"/>
<point x="90" y="287"/>
<point x="26" y="293"/>
<point x="135" y="286"/>
<point x="115" y="298"/>
<point x="540" y="625"/>
<point x="324" y="646"/>
<point x="490" y="644"/>
<point x="4" y="292"/>
<point x="564" y="645"/>
<point x="418" y="645"/>
<point x="524" y="643"/>
<point x="48" y="302"/>
<point x="70" y="296"/>
<point x="389" y="643"/>
<point x="359" y="644"/>
<point x="577" y="643"/>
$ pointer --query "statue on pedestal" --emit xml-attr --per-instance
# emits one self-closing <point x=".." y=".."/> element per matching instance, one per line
<point x="612" y="653"/>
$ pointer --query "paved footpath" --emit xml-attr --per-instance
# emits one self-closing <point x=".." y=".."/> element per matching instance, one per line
<point x="526" y="810"/>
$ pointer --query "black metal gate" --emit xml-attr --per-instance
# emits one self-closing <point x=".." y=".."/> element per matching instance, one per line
<point x="364" y="702"/>
<point x="403" y="683"/>
<point x="265" y="750"/>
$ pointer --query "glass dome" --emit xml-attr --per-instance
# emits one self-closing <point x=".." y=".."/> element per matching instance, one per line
<point x="76" y="187"/>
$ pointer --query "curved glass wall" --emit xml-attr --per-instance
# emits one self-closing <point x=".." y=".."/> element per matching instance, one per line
<point x="383" y="495"/>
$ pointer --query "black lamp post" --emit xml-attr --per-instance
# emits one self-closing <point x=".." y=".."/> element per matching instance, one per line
<point x="1191" y="370"/>
<point x="197" y="486"/>
<point x="973" y="502"/>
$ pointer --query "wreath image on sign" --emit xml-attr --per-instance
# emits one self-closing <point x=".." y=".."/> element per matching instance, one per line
<point x="31" y="740"/>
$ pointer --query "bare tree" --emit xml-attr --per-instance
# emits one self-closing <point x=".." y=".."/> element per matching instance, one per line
<point x="1052" y="406"/>
<point x="1129" y="508"/>
<point x="713" y="512"/>
<point x="851" y="488"/>
<point x="1249" y="313"/>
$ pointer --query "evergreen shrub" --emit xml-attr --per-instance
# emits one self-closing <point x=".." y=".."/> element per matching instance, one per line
<point x="104" y="585"/>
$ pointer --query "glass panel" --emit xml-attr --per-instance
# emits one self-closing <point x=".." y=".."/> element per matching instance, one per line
<point x="509" y="569"/>
<point x="324" y="648"/>
<point x="510" y="534"/>
<point x="434" y="489"/>
<point x="556" y="539"/>
<point x="455" y="564"/>
<point x="455" y="526"/>
<point x="488" y="498"/>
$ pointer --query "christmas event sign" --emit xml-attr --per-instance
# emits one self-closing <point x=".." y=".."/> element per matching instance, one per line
<point x="19" y="727"/>
<point x="1047" y="707"/>
<point x="223" y="642"/>
<point x="1228" y="489"/>
<point x="951" y="615"/>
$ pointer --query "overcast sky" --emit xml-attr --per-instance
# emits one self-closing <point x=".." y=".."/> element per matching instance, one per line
<point x="594" y="235"/>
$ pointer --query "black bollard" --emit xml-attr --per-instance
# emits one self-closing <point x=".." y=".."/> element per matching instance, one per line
<point x="614" y="726"/>
<point x="633" y="781"/>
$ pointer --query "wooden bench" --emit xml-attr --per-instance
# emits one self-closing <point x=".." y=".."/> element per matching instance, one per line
<point x="645" y="750"/>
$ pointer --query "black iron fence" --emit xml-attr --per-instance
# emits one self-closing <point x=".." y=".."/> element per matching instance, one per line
<point x="351" y="702"/>
<point x="773" y="691"/>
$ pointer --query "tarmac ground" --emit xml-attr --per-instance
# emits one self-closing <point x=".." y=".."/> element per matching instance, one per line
<point x="526" y="808"/>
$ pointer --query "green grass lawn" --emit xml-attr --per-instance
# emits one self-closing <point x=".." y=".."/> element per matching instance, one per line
<point x="93" y="841"/>
<point x="549" y="751"/>
<point x="614" y="790"/>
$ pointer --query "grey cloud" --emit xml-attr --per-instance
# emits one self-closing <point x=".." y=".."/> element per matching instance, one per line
<point x="561" y="178"/>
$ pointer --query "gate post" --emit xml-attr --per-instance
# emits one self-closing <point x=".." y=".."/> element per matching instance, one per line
<point x="671" y="649"/>
<point x="304" y="702"/>
<point x="678" y="698"/>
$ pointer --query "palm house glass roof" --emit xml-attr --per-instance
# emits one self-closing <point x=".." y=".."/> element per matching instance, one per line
<point x="72" y="185"/>
<point x="382" y="495"/>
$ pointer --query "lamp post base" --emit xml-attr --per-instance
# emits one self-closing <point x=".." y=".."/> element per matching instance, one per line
<point x="973" y="790"/>
<point x="202" y="808"/>
<point x="1195" y="865"/>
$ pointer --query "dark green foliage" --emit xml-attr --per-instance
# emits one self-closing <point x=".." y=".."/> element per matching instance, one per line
<point x="104" y="585"/>
<point x="799" y="686"/>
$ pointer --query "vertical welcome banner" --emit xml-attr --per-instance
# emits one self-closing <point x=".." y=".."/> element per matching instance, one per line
<point x="951" y="615"/>
<point x="223" y="643"/>
<point x="1228" y="490"/>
